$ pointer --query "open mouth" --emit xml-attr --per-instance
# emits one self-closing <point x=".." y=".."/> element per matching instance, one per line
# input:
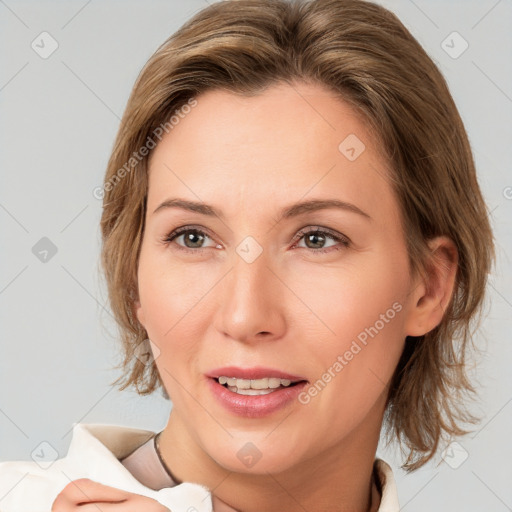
<point x="262" y="386"/>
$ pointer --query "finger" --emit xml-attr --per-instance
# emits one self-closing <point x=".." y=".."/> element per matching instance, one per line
<point x="132" y="505"/>
<point x="85" y="490"/>
<point x="103" y="507"/>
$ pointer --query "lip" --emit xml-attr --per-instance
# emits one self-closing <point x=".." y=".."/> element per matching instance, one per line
<point x="257" y="372"/>
<point x="254" y="406"/>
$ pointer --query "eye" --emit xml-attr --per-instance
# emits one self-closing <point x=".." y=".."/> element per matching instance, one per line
<point x="317" y="236"/>
<point x="193" y="239"/>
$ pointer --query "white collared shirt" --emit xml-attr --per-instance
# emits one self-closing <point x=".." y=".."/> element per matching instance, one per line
<point x="95" y="453"/>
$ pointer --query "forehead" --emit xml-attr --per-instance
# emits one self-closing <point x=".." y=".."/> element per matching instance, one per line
<point x="280" y="145"/>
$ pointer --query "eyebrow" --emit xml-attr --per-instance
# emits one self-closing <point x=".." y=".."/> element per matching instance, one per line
<point x="287" y="212"/>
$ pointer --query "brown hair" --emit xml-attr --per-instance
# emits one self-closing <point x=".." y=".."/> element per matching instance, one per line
<point x="363" y="53"/>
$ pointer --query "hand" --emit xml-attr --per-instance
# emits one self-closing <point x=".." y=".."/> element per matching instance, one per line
<point x="92" y="496"/>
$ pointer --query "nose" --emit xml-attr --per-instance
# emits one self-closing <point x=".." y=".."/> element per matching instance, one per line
<point x="252" y="302"/>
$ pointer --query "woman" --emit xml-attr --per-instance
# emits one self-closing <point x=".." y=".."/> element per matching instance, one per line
<point x="291" y="215"/>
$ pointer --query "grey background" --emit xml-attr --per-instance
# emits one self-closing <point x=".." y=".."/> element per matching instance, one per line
<point x="58" y="120"/>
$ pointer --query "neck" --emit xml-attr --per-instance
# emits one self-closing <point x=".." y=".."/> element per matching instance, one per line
<point x="337" y="479"/>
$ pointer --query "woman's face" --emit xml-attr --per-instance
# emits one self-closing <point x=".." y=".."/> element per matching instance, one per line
<point x="246" y="289"/>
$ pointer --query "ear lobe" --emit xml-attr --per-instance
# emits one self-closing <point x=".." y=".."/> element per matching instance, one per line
<point x="435" y="288"/>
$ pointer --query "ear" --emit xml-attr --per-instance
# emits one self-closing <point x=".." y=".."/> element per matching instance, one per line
<point x="433" y="291"/>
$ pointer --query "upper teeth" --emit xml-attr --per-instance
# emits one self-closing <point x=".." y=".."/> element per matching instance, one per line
<point x="265" y="383"/>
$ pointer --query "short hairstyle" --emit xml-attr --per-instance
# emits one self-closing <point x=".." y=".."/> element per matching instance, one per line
<point x="361" y="52"/>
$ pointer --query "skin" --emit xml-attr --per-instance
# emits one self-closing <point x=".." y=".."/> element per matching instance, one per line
<point x="293" y="308"/>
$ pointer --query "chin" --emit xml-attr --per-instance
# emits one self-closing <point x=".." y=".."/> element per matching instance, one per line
<point x="254" y="454"/>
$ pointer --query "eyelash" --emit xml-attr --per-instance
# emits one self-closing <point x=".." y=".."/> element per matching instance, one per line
<point x="345" y="242"/>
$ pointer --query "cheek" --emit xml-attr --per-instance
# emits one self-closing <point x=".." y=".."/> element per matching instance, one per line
<point x="171" y="303"/>
<point x="170" y="293"/>
<point x="351" y="298"/>
<point x="364" y="310"/>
